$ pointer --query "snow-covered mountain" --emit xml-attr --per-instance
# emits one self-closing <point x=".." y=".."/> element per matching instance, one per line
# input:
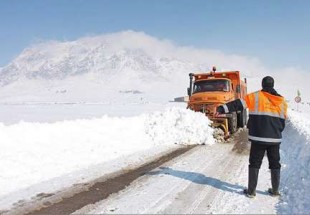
<point x="119" y="61"/>
<point x="57" y="61"/>
<point x="100" y="67"/>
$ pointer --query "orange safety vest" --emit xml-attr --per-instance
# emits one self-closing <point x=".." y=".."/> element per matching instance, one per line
<point x="267" y="114"/>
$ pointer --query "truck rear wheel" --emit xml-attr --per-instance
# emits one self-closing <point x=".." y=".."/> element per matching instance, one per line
<point x="242" y="118"/>
<point x="232" y="123"/>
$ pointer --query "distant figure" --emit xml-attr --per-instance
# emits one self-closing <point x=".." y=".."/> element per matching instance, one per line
<point x="267" y="114"/>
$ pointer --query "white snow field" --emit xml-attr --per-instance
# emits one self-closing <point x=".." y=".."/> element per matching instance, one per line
<point x="47" y="157"/>
<point x="71" y="112"/>
<point x="34" y="153"/>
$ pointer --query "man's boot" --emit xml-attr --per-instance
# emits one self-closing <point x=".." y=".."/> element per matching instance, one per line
<point x="275" y="182"/>
<point x="252" y="183"/>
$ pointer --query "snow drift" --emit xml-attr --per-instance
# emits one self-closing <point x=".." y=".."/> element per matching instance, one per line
<point x="37" y="152"/>
<point x="295" y="152"/>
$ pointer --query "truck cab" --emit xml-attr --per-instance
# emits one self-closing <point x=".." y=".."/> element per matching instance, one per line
<point x="209" y="90"/>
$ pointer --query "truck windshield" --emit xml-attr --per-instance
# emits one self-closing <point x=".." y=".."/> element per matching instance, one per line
<point x="211" y="85"/>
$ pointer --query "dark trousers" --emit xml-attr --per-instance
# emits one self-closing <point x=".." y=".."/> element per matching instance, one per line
<point x="257" y="154"/>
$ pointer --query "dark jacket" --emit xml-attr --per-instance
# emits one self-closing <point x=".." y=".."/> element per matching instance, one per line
<point x="267" y="114"/>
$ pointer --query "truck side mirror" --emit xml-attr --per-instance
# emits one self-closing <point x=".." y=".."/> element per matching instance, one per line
<point x="188" y="91"/>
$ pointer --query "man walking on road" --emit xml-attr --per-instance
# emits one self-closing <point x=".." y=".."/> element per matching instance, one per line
<point x="267" y="114"/>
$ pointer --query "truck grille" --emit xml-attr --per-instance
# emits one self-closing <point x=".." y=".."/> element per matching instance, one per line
<point x="205" y="108"/>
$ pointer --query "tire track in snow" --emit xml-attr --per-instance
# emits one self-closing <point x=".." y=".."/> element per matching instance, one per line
<point x="206" y="196"/>
<point x="98" y="190"/>
<point x="205" y="180"/>
<point x="162" y="190"/>
<point x="180" y="187"/>
<point x="111" y="204"/>
<point x="199" y="197"/>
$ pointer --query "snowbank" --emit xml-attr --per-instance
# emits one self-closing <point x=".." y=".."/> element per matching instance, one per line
<point x="295" y="152"/>
<point x="35" y="152"/>
<point x="177" y="125"/>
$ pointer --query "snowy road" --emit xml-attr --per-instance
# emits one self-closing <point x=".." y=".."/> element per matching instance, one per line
<point x="207" y="179"/>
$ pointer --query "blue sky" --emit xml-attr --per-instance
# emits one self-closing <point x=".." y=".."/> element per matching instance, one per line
<point x="275" y="31"/>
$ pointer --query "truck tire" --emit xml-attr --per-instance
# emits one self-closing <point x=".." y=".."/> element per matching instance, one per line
<point x="242" y="118"/>
<point x="232" y="123"/>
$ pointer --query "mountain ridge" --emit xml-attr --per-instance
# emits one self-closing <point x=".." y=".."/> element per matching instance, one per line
<point x="60" y="60"/>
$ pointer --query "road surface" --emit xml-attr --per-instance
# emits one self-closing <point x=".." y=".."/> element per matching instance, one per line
<point x="204" y="180"/>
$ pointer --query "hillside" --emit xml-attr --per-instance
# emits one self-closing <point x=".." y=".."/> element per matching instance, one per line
<point x="87" y="68"/>
<point x="101" y="68"/>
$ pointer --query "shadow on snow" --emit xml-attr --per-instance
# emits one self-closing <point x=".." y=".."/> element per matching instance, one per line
<point x="199" y="178"/>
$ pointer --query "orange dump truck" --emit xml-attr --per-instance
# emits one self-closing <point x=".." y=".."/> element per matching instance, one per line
<point x="209" y="90"/>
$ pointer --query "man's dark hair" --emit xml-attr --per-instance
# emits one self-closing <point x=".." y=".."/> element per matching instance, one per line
<point x="267" y="82"/>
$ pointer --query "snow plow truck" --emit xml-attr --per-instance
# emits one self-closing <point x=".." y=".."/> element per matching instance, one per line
<point x="209" y="90"/>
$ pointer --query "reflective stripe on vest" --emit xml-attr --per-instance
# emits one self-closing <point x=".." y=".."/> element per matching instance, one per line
<point x="256" y="101"/>
<point x="264" y="139"/>
<point x="283" y="110"/>
<point x="267" y="114"/>
<point x="264" y="113"/>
